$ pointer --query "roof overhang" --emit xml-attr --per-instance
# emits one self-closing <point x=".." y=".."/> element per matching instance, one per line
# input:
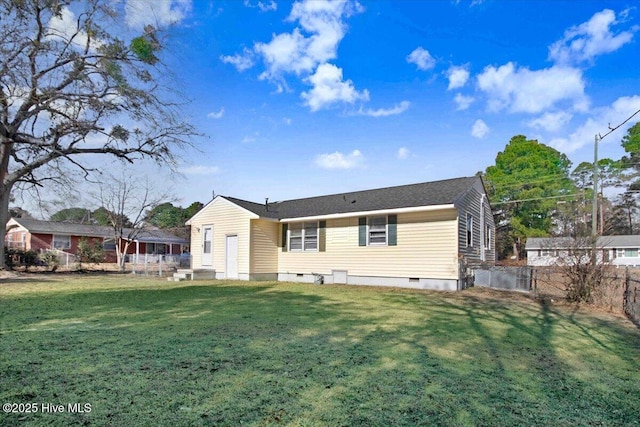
<point x="371" y="213"/>
<point x="217" y="199"/>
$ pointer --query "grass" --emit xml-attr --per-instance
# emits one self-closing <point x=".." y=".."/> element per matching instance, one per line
<point x="147" y="352"/>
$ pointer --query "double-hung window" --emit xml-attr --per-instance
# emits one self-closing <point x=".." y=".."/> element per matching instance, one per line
<point x="303" y="237"/>
<point x="109" y="244"/>
<point x="377" y="233"/>
<point x="378" y="230"/>
<point x="61" y="242"/>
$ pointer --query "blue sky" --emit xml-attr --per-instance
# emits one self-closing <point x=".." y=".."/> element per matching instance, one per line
<point x="309" y="98"/>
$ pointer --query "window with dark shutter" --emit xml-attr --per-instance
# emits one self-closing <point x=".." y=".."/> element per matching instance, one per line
<point x="392" y="239"/>
<point x="362" y="231"/>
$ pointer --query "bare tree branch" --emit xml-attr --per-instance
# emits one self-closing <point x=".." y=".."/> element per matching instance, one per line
<point x="67" y="91"/>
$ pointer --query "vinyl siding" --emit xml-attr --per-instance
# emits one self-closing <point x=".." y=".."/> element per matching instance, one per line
<point x="470" y="203"/>
<point x="264" y="246"/>
<point x="427" y="248"/>
<point x="227" y="219"/>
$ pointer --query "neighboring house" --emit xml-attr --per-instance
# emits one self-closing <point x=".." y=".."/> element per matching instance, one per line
<point x="419" y="236"/>
<point x="555" y="251"/>
<point x="39" y="236"/>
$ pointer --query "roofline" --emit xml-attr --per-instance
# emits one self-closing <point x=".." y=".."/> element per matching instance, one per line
<point x="253" y="214"/>
<point x="389" y="187"/>
<point x="171" y="240"/>
<point x="369" y="213"/>
<point x="603" y="242"/>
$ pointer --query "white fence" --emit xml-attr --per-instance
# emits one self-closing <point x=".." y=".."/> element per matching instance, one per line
<point x="156" y="264"/>
<point x="65" y="259"/>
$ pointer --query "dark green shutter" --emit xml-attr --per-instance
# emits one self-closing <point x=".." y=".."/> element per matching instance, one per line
<point x="285" y="227"/>
<point x="322" y="237"/>
<point x="392" y="229"/>
<point x="362" y="231"/>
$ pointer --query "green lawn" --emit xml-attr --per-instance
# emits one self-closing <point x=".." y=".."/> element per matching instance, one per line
<point x="144" y="351"/>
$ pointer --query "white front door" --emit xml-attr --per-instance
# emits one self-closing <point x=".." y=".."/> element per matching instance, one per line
<point x="231" y="266"/>
<point x="207" y="246"/>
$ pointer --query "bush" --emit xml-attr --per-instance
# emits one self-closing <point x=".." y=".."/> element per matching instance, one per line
<point x="50" y="259"/>
<point x="89" y="251"/>
<point x="10" y="256"/>
<point x="17" y="257"/>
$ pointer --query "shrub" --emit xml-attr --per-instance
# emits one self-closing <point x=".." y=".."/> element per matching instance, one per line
<point x="50" y="259"/>
<point x="89" y="251"/>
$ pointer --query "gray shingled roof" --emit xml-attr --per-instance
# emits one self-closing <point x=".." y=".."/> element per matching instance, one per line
<point x="87" y="230"/>
<point x="424" y="194"/>
<point x="628" y="241"/>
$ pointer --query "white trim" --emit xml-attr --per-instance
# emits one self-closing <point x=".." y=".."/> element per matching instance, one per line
<point x="379" y="212"/>
<point x="209" y="255"/>
<point x="205" y="207"/>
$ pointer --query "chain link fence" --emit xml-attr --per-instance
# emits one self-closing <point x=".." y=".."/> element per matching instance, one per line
<point x="632" y="298"/>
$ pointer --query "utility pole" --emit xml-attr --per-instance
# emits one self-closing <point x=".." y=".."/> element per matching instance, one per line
<point x="594" y="215"/>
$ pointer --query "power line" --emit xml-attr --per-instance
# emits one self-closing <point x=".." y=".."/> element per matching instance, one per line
<point x="612" y="129"/>
<point x="535" y="198"/>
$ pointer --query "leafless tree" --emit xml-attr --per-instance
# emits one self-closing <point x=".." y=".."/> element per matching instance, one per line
<point x="70" y="88"/>
<point x="126" y="199"/>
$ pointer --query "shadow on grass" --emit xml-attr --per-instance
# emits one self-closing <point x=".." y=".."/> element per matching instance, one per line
<point x="268" y="354"/>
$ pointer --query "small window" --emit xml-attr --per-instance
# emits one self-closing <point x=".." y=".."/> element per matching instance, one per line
<point x="207" y="239"/>
<point x="377" y="230"/>
<point x="469" y="230"/>
<point x="61" y="242"/>
<point x="631" y="253"/>
<point x="109" y="244"/>
<point x="487" y="237"/>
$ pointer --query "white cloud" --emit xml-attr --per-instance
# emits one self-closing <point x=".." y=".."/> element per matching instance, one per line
<point x="403" y="153"/>
<point x="479" y="129"/>
<point x="422" y="58"/>
<point x="242" y="61"/>
<point x="295" y="52"/>
<point x="306" y="51"/>
<point x="590" y="39"/>
<point x="457" y="76"/>
<point x="263" y="6"/>
<point x="463" y="102"/>
<point x="65" y="26"/>
<point x="599" y="123"/>
<point x="520" y="90"/>
<point x="339" y="160"/>
<point x="218" y="115"/>
<point x="384" y="112"/>
<point x="200" y="170"/>
<point x="285" y="53"/>
<point x="551" y="122"/>
<point x="329" y="88"/>
<point x="139" y="13"/>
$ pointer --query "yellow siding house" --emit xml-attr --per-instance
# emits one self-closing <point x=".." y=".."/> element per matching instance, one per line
<point x="418" y="236"/>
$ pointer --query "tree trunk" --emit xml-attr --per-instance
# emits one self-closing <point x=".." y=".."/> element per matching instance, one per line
<point x="5" y="196"/>
<point x="121" y="253"/>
